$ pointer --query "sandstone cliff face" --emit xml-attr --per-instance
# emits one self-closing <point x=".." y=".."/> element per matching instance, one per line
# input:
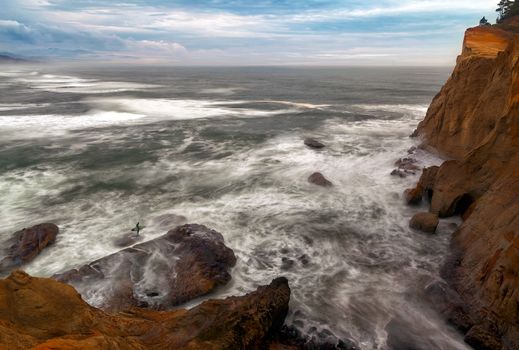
<point x="41" y="313"/>
<point x="466" y="110"/>
<point x="475" y="120"/>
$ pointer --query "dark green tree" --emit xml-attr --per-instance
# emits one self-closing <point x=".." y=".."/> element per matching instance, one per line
<point x="506" y="9"/>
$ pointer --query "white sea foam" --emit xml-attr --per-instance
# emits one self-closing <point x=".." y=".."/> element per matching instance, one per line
<point x="418" y="109"/>
<point x="221" y="91"/>
<point x="22" y="126"/>
<point x="65" y="83"/>
<point x="17" y="106"/>
<point x="181" y="109"/>
<point x="124" y="111"/>
<point x="351" y="250"/>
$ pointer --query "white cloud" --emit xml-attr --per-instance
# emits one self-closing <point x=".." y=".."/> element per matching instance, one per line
<point x="146" y="31"/>
<point x="155" y="48"/>
<point x="395" y="8"/>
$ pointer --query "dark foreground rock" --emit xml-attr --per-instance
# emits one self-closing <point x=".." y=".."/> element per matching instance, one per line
<point x="426" y="222"/>
<point x="187" y="262"/>
<point x="42" y="313"/>
<point x="26" y="244"/>
<point x="313" y="143"/>
<point x="289" y="338"/>
<point x="319" y="180"/>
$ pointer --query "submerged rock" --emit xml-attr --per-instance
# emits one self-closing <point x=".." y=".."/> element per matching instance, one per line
<point x="397" y="172"/>
<point x="289" y="338"/>
<point x="187" y="262"/>
<point x="426" y="222"/>
<point x="400" y="336"/>
<point x="47" y="314"/>
<point x="313" y="143"/>
<point x="26" y="244"/>
<point x="319" y="179"/>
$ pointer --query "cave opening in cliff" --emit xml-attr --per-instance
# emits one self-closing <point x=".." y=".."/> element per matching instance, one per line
<point x="463" y="203"/>
<point x="429" y="194"/>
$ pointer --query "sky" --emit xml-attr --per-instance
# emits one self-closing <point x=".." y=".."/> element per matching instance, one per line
<point x="241" y="32"/>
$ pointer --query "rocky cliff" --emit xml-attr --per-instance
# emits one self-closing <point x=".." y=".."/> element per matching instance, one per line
<point x="41" y="313"/>
<point x="475" y="120"/>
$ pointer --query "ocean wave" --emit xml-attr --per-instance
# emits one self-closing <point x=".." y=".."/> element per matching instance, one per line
<point x="420" y="109"/>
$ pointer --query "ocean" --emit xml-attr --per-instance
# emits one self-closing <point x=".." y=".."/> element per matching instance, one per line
<point x="95" y="149"/>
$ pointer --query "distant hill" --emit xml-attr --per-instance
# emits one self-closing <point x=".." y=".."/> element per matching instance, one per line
<point x="10" y="59"/>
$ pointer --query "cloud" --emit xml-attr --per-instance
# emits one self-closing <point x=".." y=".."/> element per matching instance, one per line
<point x="168" y="50"/>
<point x="13" y="31"/>
<point x="239" y="31"/>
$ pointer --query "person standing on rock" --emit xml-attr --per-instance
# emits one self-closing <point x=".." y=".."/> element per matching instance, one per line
<point x="137" y="228"/>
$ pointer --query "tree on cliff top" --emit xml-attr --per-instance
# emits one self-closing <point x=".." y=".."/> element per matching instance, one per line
<point x="506" y="9"/>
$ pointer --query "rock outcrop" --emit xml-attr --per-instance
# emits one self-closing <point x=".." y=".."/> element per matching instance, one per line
<point x="475" y="120"/>
<point x="41" y="313"/>
<point x="187" y="262"/>
<point x="26" y="244"/>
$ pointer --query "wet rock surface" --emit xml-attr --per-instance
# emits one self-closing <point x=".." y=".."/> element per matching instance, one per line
<point x="405" y="167"/>
<point x="407" y="164"/>
<point x="319" y="180"/>
<point x="46" y="314"/>
<point x="289" y="337"/>
<point x="187" y="262"/>
<point x="26" y="244"/>
<point x="449" y="304"/>
<point x="313" y="143"/>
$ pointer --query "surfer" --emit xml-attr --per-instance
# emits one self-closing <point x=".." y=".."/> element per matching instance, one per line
<point x="137" y="228"/>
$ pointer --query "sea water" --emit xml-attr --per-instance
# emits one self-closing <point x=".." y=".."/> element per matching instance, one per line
<point x="96" y="149"/>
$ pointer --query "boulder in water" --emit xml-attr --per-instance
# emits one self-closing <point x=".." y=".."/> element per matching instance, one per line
<point x="26" y="244"/>
<point x="313" y="143"/>
<point x="187" y="262"/>
<point x="426" y="222"/>
<point x="408" y="164"/>
<point x="400" y="173"/>
<point x="319" y="179"/>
